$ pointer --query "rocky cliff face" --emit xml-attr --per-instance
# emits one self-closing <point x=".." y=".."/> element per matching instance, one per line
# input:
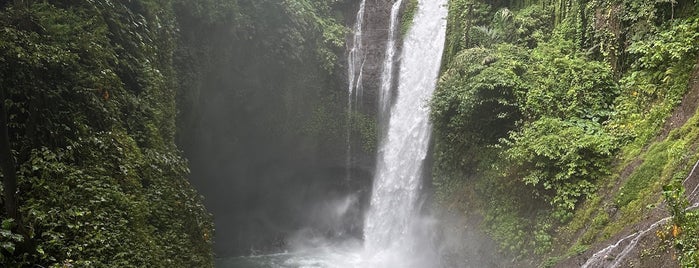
<point x="375" y="37"/>
<point x="376" y="26"/>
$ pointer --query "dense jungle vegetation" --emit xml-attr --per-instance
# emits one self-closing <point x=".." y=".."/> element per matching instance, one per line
<point x="94" y="95"/>
<point x="550" y="121"/>
<point x="553" y="120"/>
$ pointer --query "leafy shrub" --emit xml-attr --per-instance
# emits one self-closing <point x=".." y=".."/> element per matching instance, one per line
<point x="574" y="111"/>
<point x="532" y="24"/>
<point x="685" y="224"/>
<point x="565" y="84"/>
<point x="90" y="88"/>
<point x="561" y="159"/>
<point x="658" y="79"/>
<point x="475" y="102"/>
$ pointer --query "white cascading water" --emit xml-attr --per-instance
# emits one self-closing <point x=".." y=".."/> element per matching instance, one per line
<point x="398" y="178"/>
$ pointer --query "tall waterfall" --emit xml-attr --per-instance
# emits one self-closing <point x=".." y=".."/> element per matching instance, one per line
<point x="403" y="150"/>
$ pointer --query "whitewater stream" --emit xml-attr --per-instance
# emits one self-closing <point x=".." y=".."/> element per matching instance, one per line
<point x="395" y="235"/>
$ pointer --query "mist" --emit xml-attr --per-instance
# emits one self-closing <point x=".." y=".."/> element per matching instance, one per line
<point x="284" y="158"/>
<point x="264" y="135"/>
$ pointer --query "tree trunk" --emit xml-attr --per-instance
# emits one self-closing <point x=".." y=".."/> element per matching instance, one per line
<point x="7" y="163"/>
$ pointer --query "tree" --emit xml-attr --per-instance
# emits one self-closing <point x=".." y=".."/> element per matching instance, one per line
<point x="7" y="163"/>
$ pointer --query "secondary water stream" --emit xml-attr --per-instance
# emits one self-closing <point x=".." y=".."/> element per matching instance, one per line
<point x="389" y="64"/>
<point x="355" y="71"/>
<point x="614" y="255"/>
<point x="395" y="235"/>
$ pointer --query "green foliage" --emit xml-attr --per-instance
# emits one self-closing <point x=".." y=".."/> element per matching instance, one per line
<point x="210" y="12"/>
<point x="8" y="240"/>
<point x="509" y="231"/>
<point x="484" y="93"/>
<point x="543" y="240"/>
<point x="283" y="30"/>
<point x="677" y="43"/>
<point x="645" y="16"/>
<point x="566" y="84"/>
<point x="569" y="113"/>
<point x="645" y="175"/>
<point x="366" y="128"/>
<point x="480" y="25"/>
<point x="659" y="77"/>
<point x="324" y="123"/>
<point x="562" y="159"/>
<point x="532" y="24"/>
<point x="406" y="19"/>
<point x="517" y="220"/>
<point x="307" y="15"/>
<point x="526" y="28"/>
<point x="661" y="162"/>
<point x="263" y="53"/>
<point x="504" y="222"/>
<point x="575" y="250"/>
<point x="463" y="15"/>
<point x="90" y="88"/>
<point x="475" y="101"/>
<point x="685" y="224"/>
<point x="658" y="165"/>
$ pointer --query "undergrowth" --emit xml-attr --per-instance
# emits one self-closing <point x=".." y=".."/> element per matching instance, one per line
<point x="569" y="116"/>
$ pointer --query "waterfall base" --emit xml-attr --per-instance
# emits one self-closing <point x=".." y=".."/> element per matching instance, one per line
<point x="345" y="254"/>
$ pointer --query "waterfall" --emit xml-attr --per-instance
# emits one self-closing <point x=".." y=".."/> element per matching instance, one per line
<point x="397" y="181"/>
<point x="355" y="66"/>
<point x="393" y="230"/>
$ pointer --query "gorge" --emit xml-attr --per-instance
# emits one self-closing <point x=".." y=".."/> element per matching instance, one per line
<point x="349" y="133"/>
